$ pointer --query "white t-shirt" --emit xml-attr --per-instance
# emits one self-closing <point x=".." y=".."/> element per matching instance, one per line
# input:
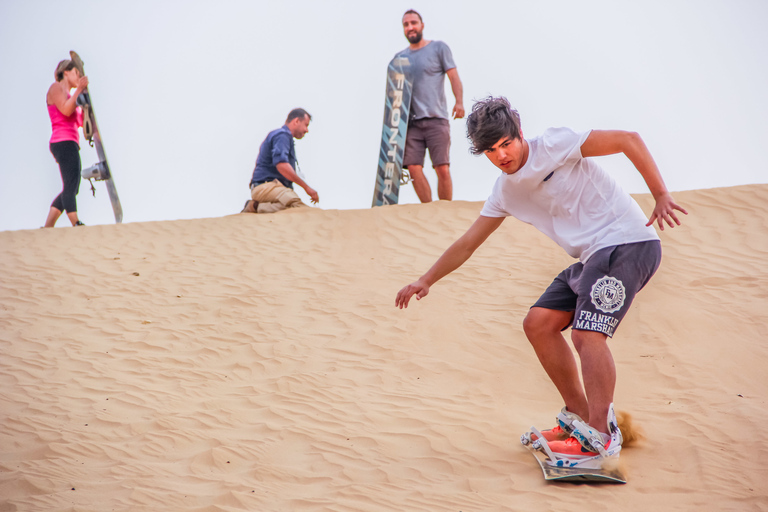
<point x="569" y="198"/>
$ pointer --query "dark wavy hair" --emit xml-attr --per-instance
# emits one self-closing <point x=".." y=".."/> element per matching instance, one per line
<point x="491" y="120"/>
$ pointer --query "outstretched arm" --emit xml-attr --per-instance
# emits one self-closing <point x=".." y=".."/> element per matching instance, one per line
<point x="451" y="259"/>
<point x="458" y="92"/>
<point x="609" y="142"/>
<point x="288" y="173"/>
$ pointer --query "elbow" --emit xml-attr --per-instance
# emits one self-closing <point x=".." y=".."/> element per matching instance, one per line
<point x="632" y="143"/>
<point x="633" y="138"/>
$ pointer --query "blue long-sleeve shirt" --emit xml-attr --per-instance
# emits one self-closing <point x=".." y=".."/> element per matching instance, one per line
<point x="276" y="148"/>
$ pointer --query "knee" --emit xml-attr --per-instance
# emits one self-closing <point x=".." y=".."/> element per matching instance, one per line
<point x="416" y="172"/>
<point x="540" y="323"/>
<point x="288" y="198"/>
<point x="578" y="339"/>
<point x="443" y="172"/>
<point x="582" y="338"/>
<point x="535" y="325"/>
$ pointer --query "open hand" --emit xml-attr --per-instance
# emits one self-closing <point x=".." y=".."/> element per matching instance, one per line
<point x="312" y="193"/>
<point x="665" y="212"/>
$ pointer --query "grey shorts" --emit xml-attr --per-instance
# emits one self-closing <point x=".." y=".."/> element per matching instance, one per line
<point x="600" y="292"/>
<point x="431" y="133"/>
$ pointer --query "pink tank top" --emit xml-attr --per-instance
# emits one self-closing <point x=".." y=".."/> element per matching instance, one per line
<point x="65" y="127"/>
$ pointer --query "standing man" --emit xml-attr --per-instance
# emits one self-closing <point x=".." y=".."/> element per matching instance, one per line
<point x="428" y="126"/>
<point x="276" y="171"/>
<point x="554" y="183"/>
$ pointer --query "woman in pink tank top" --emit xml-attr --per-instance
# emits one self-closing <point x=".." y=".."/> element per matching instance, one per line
<point x="66" y="118"/>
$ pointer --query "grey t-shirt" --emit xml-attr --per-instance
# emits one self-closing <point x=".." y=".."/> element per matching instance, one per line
<point x="428" y="67"/>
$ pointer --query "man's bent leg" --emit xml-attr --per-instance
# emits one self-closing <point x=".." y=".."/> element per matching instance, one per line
<point x="274" y="196"/>
<point x="420" y="183"/>
<point x="444" y="183"/>
<point x="599" y="373"/>
<point x="543" y="328"/>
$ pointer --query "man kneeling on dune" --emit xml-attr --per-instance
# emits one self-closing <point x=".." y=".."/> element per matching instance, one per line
<point x="276" y="170"/>
<point x="553" y="183"/>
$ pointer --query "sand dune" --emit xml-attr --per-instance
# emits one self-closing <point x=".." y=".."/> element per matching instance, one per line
<point x="257" y="362"/>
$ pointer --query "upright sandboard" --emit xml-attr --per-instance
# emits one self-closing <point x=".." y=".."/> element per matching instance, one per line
<point x="101" y="170"/>
<point x="397" y="107"/>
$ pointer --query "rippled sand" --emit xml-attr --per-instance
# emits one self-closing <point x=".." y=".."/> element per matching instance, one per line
<point x="257" y="362"/>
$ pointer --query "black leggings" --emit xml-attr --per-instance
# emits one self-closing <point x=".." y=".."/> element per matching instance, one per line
<point x="67" y="154"/>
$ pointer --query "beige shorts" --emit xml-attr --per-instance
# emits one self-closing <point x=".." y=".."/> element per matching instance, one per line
<point x="273" y="196"/>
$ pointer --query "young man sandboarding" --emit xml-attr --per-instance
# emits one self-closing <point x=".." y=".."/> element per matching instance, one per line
<point x="552" y="182"/>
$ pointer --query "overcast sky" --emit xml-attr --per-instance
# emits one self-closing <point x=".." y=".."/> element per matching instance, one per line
<point x="186" y="91"/>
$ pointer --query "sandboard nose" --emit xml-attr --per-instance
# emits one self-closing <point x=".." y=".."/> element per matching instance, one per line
<point x="78" y="61"/>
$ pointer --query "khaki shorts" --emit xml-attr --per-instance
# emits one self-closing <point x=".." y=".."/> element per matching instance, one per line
<point x="273" y="196"/>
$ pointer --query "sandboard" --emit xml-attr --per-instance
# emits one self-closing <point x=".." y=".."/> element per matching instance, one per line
<point x="101" y="170"/>
<point x="565" y="474"/>
<point x="397" y="106"/>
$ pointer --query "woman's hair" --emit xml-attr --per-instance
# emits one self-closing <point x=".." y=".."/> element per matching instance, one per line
<point x="491" y="120"/>
<point x="63" y="66"/>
